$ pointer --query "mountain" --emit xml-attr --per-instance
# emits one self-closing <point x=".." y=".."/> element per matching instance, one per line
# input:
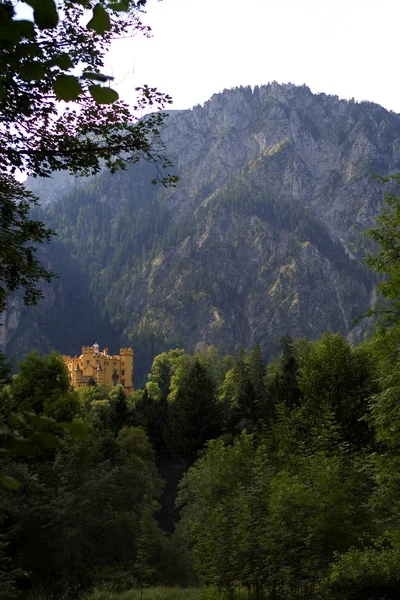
<point x="263" y="235"/>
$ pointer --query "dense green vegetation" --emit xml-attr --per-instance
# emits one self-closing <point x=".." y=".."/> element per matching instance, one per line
<point x="257" y="481"/>
<point x="85" y="510"/>
<point x="290" y="485"/>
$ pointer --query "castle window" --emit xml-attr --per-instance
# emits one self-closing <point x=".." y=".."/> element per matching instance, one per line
<point x="123" y="382"/>
<point x="122" y="364"/>
<point x="123" y="372"/>
<point x="87" y="362"/>
<point x="114" y="364"/>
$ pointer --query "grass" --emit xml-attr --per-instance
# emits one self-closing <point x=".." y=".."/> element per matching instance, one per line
<point x="156" y="593"/>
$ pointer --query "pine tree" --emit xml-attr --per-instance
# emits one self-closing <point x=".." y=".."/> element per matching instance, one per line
<point x="193" y="415"/>
<point x="282" y="387"/>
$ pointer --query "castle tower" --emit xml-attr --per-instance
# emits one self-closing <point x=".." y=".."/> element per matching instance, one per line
<point x="126" y="355"/>
<point x="105" y="369"/>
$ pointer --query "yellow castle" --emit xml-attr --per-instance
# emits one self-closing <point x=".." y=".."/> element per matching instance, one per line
<point x="101" y="367"/>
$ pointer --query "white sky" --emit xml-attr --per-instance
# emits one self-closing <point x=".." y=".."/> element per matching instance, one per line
<point x="199" y="47"/>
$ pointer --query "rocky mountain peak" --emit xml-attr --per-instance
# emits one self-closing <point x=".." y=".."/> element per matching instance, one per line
<point x="263" y="235"/>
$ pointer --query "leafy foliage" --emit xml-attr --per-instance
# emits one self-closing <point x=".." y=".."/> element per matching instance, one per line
<point x="19" y="236"/>
<point x="79" y="498"/>
<point x="386" y="260"/>
<point x="92" y="129"/>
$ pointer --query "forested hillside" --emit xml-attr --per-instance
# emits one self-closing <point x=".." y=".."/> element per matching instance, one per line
<point x="263" y="234"/>
<point x="223" y="477"/>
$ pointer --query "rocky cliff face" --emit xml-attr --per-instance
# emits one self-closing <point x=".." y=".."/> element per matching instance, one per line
<point x="263" y="234"/>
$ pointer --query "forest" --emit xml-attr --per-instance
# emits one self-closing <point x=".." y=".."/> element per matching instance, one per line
<point x="287" y="473"/>
<point x="223" y="478"/>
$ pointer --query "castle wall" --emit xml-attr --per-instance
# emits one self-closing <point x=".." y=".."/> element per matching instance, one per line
<point x="105" y="369"/>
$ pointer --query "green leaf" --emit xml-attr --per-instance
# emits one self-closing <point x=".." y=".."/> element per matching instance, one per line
<point x="100" y="22"/>
<point x="76" y="430"/>
<point x="14" y="31"/>
<point x="32" y="71"/>
<point x="28" y="50"/>
<point x="96" y="76"/>
<point x="103" y="95"/>
<point x="7" y="13"/>
<point x="19" y="446"/>
<point x="63" y="61"/>
<point x="37" y="421"/>
<point x="10" y="483"/>
<point x="67" y="87"/>
<point x="45" y="440"/>
<point x="44" y="13"/>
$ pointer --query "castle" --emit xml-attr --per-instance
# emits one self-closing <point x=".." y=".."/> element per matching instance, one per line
<point x="93" y="365"/>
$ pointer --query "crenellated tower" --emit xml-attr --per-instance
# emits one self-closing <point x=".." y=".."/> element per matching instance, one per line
<point x="105" y="369"/>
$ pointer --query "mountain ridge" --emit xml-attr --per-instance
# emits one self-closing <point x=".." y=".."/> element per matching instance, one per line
<point x="263" y="234"/>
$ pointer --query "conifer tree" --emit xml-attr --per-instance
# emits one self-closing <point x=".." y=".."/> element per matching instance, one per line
<point x="256" y="371"/>
<point x="119" y="404"/>
<point x="281" y="380"/>
<point x="193" y="415"/>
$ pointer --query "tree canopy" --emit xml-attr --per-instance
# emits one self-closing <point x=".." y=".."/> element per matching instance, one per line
<point x="58" y="113"/>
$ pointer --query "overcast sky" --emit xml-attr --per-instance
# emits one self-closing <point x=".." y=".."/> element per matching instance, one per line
<point x="199" y="47"/>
